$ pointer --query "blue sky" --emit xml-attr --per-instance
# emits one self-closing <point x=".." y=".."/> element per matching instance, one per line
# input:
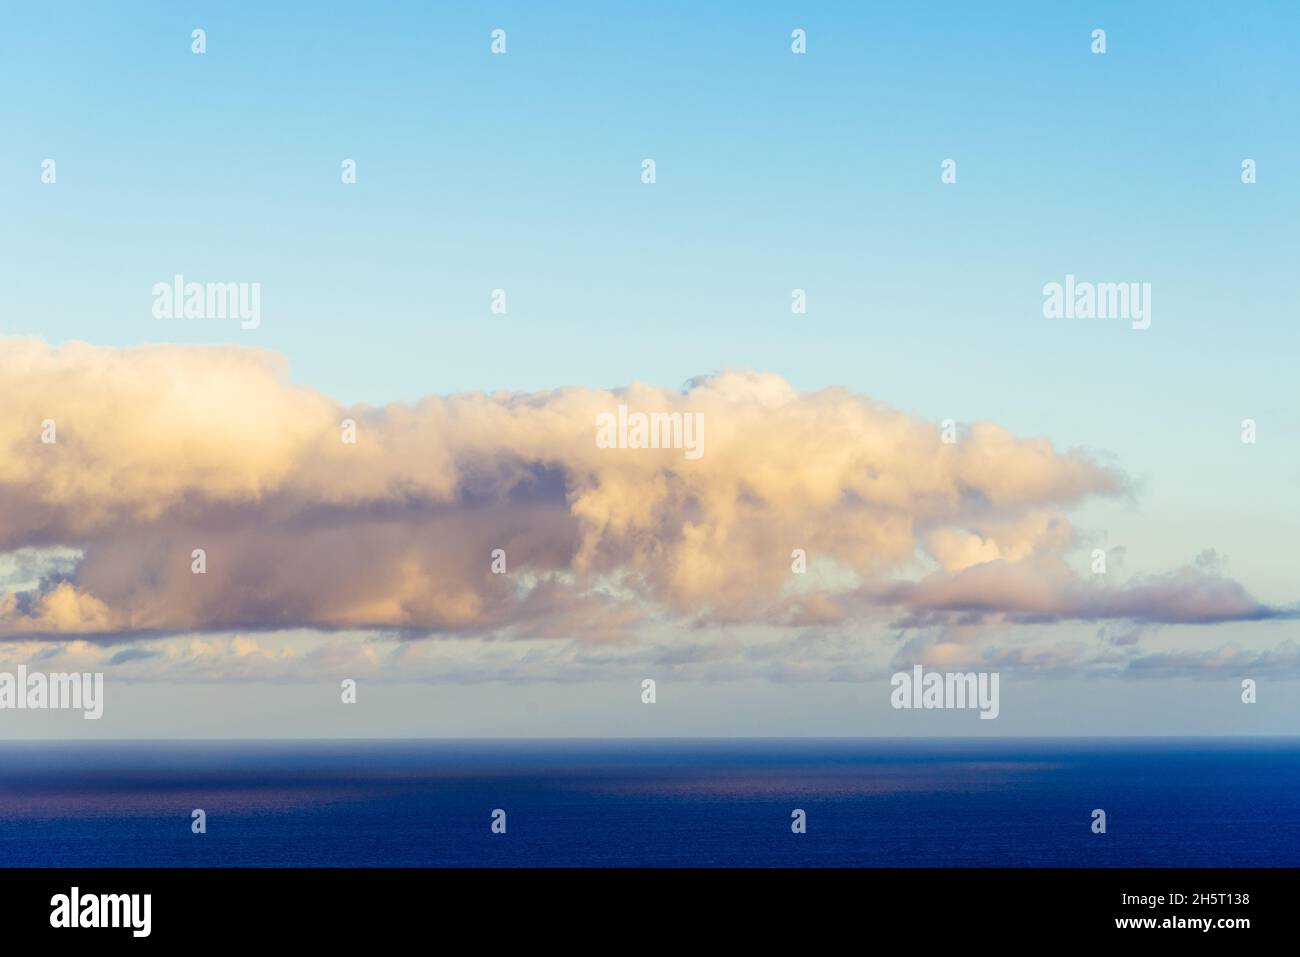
<point x="774" y="172"/>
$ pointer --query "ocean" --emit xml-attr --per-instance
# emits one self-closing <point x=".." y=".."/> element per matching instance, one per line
<point x="653" y="803"/>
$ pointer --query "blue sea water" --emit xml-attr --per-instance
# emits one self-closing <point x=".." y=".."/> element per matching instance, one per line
<point x="871" y="802"/>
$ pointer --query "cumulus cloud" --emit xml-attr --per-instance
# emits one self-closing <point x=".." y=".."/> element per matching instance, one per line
<point x="164" y="449"/>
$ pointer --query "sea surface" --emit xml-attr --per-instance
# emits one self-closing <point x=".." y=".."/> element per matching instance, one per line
<point x="868" y="802"/>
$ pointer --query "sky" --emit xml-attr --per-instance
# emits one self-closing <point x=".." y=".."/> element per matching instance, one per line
<point x="523" y="172"/>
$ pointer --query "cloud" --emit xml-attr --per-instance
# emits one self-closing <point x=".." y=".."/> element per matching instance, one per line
<point x="1281" y="661"/>
<point x="1046" y="589"/>
<point x="165" y="449"/>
